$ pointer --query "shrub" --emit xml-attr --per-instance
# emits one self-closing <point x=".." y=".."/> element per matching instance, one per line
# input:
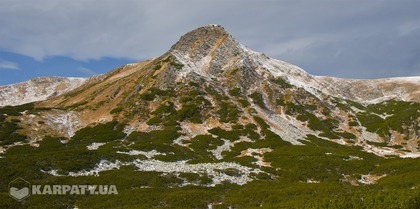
<point x="100" y="133"/>
<point x="116" y="110"/>
<point x="281" y="82"/>
<point x="157" y="67"/>
<point x="9" y="134"/>
<point x="257" y="98"/>
<point x="235" y="92"/>
<point x="228" y="112"/>
<point x="16" y="110"/>
<point x="178" y="66"/>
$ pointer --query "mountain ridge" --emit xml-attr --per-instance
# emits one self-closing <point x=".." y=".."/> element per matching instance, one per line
<point x="212" y="124"/>
<point x="197" y="48"/>
<point x="278" y="92"/>
<point x="37" y="89"/>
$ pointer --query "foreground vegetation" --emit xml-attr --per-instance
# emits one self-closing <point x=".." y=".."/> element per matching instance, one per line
<point x="321" y="174"/>
<point x="286" y="186"/>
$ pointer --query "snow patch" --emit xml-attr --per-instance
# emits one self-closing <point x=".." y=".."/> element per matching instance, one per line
<point x="149" y="154"/>
<point x="103" y="165"/>
<point x="37" y="89"/>
<point x="217" y="153"/>
<point x="410" y="155"/>
<point x="213" y="170"/>
<point x="351" y="157"/>
<point x="95" y="146"/>
<point x="311" y="181"/>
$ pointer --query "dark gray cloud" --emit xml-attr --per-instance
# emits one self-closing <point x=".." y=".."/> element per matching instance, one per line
<point x="344" y="38"/>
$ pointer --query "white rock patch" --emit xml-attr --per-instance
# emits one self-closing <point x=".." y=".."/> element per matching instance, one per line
<point x="226" y="146"/>
<point x="149" y="154"/>
<point x="370" y="179"/>
<point x="213" y="170"/>
<point x="95" y="146"/>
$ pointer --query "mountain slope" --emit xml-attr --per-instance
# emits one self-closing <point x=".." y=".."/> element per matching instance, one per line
<point x="372" y="91"/>
<point x="211" y="123"/>
<point x="226" y="76"/>
<point x="37" y="89"/>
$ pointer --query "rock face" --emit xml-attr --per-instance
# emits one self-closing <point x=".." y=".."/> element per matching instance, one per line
<point x="37" y="89"/>
<point x="210" y="51"/>
<point x="207" y="50"/>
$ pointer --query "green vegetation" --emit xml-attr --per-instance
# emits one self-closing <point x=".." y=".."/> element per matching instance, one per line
<point x="353" y="123"/>
<point x="258" y="99"/>
<point x="78" y="104"/>
<point x="193" y="107"/>
<point x="159" y="140"/>
<point x="268" y="139"/>
<point x="9" y="125"/>
<point x="327" y="126"/>
<point x="215" y="94"/>
<point x="395" y="116"/>
<point x="383" y="117"/>
<point x="235" y="92"/>
<point x="346" y="135"/>
<point x="167" y="59"/>
<point x="228" y="112"/>
<point x="201" y="144"/>
<point x="244" y="103"/>
<point x="8" y="132"/>
<point x="100" y="133"/>
<point x="27" y="162"/>
<point x="16" y="110"/>
<point x="284" y="186"/>
<point x="151" y="94"/>
<point x="116" y="110"/>
<point x="281" y="82"/>
<point x="178" y="66"/>
<point x="157" y="67"/>
<point x="229" y="135"/>
<point x="164" y="113"/>
<point x="280" y="102"/>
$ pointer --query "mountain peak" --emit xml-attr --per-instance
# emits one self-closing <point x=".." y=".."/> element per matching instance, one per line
<point x="206" y="41"/>
<point x="206" y="35"/>
<point x="207" y="50"/>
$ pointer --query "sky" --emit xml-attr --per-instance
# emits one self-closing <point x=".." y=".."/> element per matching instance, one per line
<point x="80" y="38"/>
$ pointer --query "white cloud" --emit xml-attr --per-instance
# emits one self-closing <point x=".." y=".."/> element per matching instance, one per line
<point x="8" y="65"/>
<point x="86" y="71"/>
<point x="307" y="33"/>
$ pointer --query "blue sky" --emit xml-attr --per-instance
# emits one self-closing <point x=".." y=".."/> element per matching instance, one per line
<point x="16" y="68"/>
<point x="79" y="38"/>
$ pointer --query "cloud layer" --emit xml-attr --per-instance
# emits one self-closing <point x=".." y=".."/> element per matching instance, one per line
<point x="357" y="39"/>
<point x="8" y="65"/>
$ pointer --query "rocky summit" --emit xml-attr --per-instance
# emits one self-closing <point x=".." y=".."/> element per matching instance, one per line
<point x="213" y="124"/>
